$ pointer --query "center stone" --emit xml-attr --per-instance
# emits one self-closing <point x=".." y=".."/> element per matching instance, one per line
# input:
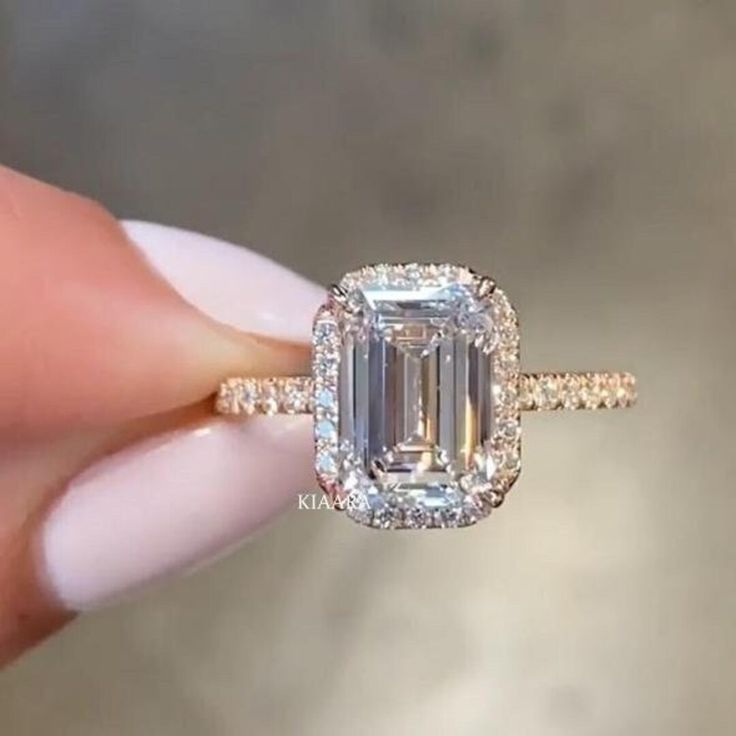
<point x="414" y="397"/>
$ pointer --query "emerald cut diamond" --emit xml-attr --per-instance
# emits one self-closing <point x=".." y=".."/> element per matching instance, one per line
<point x="415" y="396"/>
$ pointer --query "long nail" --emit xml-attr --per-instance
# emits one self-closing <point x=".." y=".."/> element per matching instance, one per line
<point x="229" y="283"/>
<point x="170" y="503"/>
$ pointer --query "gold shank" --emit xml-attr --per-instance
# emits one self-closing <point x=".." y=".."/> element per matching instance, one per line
<point x="586" y="390"/>
<point x="536" y="392"/>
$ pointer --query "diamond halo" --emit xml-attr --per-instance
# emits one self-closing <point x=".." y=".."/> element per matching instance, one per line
<point x="406" y="359"/>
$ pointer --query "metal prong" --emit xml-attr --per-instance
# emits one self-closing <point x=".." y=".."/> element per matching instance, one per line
<point x="337" y="296"/>
<point x="484" y="286"/>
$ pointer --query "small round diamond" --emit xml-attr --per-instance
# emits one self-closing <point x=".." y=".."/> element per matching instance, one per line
<point x="294" y="396"/>
<point x="570" y="390"/>
<point x="508" y="466"/>
<point x="326" y="463"/>
<point x="226" y="402"/>
<point x="386" y="517"/>
<point x="608" y="392"/>
<point x="294" y="403"/>
<point x="509" y="430"/>
<point x="247" y="396"/>
<point x="326" y="430"/>
<point x="416" y="518"/>
<point x="453" y="517"/>
<point x="324" y="330"/>
<point x="326" y="363"/>
<point x="495" y="499"/>
<point x="590" y="395"/>
<point x="546" y="393"/>
<point x="505" y="394"/>
<point x="627" y="394"/>
<point x="269" y="399"/>
<point x="325" y="400"/>
<point x="507" y="359"/>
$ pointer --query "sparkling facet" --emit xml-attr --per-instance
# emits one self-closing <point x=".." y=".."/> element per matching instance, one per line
<point x="247" y="396"/>
<point x="326" y="430"/>
<point x="597" y="390"/>
<point x="326" y="463"/>
<point x="294" y="398"/>
<point x="325" y="400"/>
<point x="269" y="398"/>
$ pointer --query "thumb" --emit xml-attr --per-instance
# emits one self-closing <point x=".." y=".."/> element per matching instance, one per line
<point x="80" y="308"/>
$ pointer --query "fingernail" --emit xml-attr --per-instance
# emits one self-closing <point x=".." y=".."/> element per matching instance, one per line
<point x="230" y="283"/>
<point x="171" y="503"/>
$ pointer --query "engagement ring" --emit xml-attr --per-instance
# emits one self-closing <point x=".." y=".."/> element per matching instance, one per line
<point x="417" y="393"/>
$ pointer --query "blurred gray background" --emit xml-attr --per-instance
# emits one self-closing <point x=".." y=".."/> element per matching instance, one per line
<point x="582" y="152"/>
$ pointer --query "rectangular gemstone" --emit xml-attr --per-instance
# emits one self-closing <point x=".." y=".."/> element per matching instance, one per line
<point x="414" y="388"/>
<point x="414" y="416"/>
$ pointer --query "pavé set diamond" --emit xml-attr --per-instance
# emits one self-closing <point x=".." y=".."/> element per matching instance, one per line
<point x="416" y="393"/>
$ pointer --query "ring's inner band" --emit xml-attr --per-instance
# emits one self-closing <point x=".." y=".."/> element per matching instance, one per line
<point x="536" y="392"/>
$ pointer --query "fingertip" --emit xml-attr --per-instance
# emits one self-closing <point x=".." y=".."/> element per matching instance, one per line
<point x="93" y="334"/>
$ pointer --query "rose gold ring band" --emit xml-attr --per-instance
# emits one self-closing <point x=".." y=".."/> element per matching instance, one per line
<point x="536" y="392"/>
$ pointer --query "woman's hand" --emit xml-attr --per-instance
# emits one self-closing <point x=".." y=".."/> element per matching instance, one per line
<point x="113" y="473"/>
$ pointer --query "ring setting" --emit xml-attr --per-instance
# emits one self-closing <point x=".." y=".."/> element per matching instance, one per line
<point x="416" y="393"/>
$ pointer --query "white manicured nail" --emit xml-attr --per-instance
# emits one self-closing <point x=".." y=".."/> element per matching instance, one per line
<point x="232" y="284"/>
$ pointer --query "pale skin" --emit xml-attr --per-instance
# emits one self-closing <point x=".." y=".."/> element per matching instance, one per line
<point x="82" y="374"/>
